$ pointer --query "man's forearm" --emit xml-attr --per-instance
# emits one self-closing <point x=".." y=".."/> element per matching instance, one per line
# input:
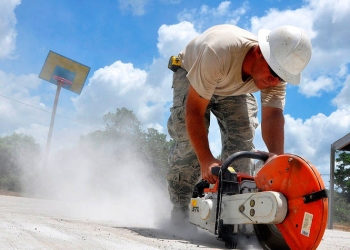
<point x="195" y="125"/>
<point x="197" y="132"/>
<point x="272" y="129"/>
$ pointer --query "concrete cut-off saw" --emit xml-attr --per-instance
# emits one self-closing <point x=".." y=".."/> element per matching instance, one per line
<point x="284" y="205"/>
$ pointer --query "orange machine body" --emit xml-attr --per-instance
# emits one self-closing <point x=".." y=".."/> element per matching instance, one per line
<point x="296" y="178"/>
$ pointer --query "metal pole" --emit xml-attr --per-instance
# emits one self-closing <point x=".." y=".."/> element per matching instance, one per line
<point x="48" y="142"/>
<point x="331" y="189"/>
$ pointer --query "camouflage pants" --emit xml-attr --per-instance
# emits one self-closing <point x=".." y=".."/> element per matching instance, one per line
<point x="236" y="116"/>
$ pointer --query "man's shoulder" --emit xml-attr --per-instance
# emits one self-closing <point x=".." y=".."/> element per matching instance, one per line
<point x="230" y="28"/>
<point x="227" y="37"/>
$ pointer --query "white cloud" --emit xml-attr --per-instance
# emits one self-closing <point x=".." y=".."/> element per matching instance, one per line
<point x="205" y="16"/>
<point x="343" y="71"/>
<point x="329" y="21"/>
<point x="342" y="100"/>
<point x="109" y="88"/>
<point x="113" y="86"/>
<point x="12" y="84"/>
<point x="223" y="8"/>
<point x="17" y="98"/>
<point x="313" y="137"/>
<point x="300" y="17"/>
<point x="23" y="110"/>
<point x="137" y="6"/>
<point x="8" y="32"/>
<point x="173" y="38"/>
<point x="314" y="88"/>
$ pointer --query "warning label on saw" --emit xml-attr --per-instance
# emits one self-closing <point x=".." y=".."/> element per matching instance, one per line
<point x="307" y="222"/>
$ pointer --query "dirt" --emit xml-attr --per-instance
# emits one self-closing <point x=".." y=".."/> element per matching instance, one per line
<point x="29" y="223"/>
<point x="9" y="193"/>
<point x="345" y="228"/>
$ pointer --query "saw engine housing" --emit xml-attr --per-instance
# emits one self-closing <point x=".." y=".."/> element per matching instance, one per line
<point x="272" y="205"/>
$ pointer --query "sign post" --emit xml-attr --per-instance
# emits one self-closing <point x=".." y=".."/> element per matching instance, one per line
<point x="65" y="73"/>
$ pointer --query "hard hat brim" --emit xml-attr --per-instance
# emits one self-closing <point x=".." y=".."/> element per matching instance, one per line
<point x="263" y="40"/>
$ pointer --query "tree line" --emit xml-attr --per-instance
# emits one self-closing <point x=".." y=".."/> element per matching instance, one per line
<point x="18" y="154"/>
<point x="123" y="136"/>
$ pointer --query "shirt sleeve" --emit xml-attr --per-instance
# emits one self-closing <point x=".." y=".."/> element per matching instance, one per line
<point x="274" y="96"/>
<point x="205" y="73"/>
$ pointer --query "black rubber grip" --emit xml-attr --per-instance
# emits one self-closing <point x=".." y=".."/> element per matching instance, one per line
<point x="240" y="155"/>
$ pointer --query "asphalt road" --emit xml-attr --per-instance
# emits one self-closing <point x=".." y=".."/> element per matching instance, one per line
<point x="27" y="223"/>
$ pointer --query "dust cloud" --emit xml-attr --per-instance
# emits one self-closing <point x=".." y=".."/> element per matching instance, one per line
<point x="112" y="184"/>
<point x="109" y="183"/>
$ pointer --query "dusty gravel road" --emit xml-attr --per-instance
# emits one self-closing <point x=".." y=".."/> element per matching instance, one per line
<point x="28" y="223"/>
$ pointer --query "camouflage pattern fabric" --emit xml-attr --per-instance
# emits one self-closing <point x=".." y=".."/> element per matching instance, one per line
<point x="236" y="116"/>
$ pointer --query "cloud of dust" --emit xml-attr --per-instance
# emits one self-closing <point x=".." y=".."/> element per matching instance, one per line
<point x="99" y="184"/>
<point x="113" y="184"/>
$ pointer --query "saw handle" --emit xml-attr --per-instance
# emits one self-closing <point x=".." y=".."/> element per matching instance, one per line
<point x="236" y="156"/>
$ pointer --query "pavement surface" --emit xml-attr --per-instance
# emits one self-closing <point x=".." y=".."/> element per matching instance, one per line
<point x="28" y="223"/>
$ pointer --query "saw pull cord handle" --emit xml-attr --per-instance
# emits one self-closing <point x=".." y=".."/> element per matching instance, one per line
<point x="227" y="163"/>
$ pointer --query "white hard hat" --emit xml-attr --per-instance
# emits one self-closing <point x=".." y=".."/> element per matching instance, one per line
<point x="287" y="50"/>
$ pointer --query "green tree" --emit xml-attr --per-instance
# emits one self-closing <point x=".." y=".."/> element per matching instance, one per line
<point x="18" y="154"/>
<point x="123" y="122"/>
<point x="342" y="174"/>
<point x="342" y="195"/>
<point x="156" y="152"/>
<point x="341" y="210"/>
<point x="123" y="134"/>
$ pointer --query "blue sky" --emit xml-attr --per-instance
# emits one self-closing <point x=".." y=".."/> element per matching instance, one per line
<point x="127" y="45"/>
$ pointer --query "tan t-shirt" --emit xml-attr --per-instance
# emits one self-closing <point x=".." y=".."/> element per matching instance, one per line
<point x="214" y="61"/>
